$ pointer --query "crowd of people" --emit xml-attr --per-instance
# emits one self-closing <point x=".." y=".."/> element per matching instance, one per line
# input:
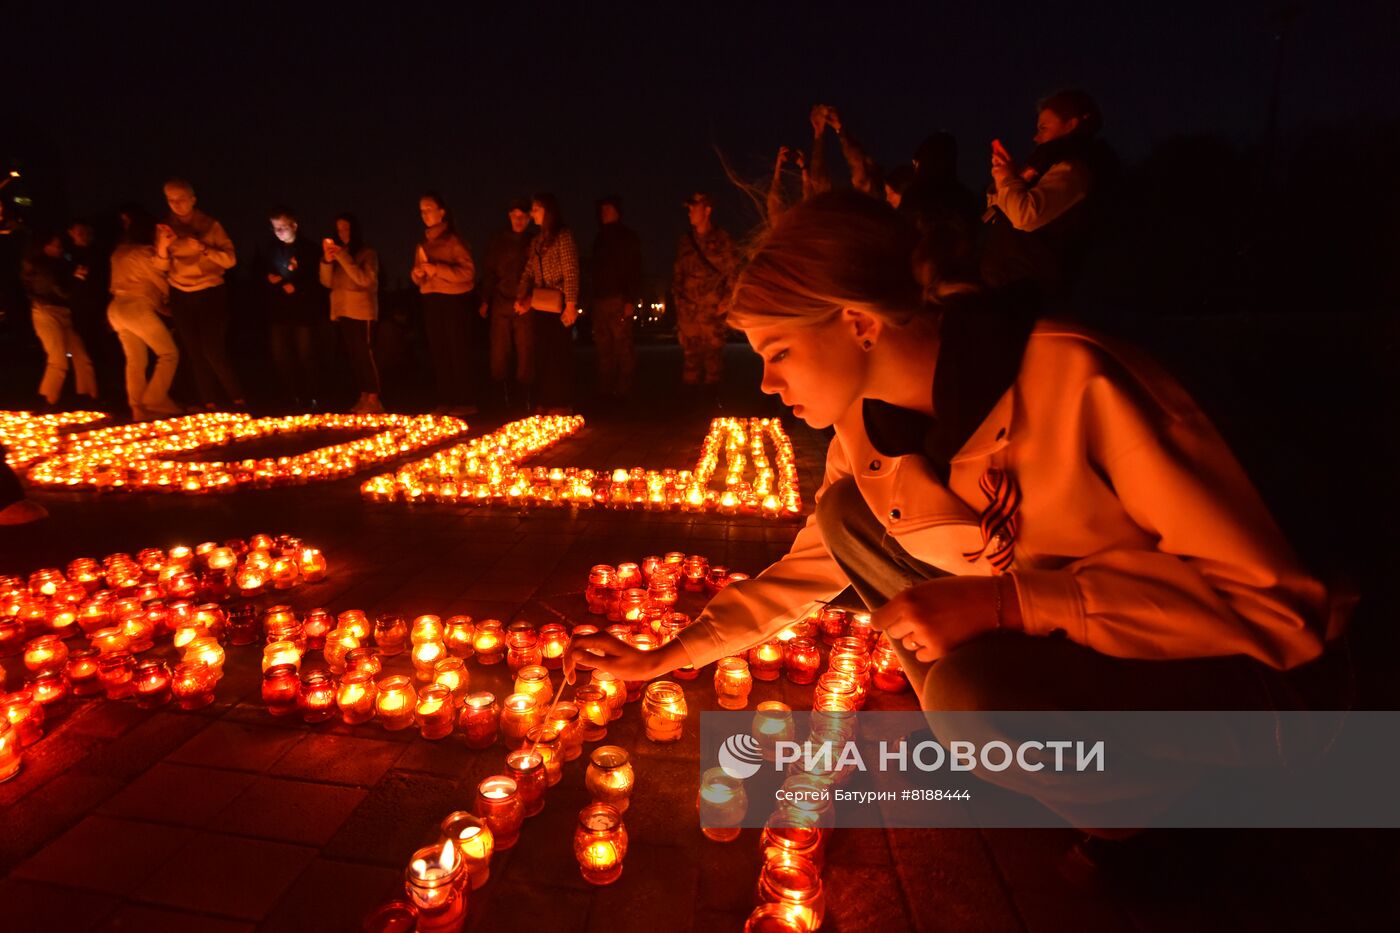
<point x="1025" y="239"/>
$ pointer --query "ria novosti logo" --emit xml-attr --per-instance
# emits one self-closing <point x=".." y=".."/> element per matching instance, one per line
<point x="740" y="756"/>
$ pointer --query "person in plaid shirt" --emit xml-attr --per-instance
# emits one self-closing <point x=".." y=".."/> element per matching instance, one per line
<point x="552" y="263"/>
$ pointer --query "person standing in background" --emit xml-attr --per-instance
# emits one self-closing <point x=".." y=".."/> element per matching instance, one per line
<point x="48" y="282"/>
<point x="549" y="295"/>
<point x="89" y="265"/>
<point x="140" y="293"/>
<point x="617" y="284"/>
<point x="200" y="254"/>
<point x="705" y="263"/>
<point x="351" y="271"/>
<point x="500" y="281"/>
<point x="295" y="306"/>
<point x="444" y="273"/>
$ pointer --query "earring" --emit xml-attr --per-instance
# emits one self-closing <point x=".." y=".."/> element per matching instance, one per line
<point x="868" y="345"/>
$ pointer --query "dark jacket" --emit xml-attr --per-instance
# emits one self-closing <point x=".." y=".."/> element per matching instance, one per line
<point x="298" y="264"/>
<point x="47" y="281"/>
<point x="503" y="266"/>
<point x="617" y="263"/>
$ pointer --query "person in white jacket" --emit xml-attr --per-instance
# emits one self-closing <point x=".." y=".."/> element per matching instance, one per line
<point x="1042" y="519"/>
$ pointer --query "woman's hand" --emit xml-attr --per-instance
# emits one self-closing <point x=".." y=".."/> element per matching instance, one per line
<point x="569" y="316"/>
<point x="936" y="616"/>
<point x="521" y="306"/>
<point x="629" y="662"/>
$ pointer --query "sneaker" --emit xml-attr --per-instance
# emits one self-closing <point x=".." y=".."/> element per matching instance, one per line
<point x="22" y="513"/>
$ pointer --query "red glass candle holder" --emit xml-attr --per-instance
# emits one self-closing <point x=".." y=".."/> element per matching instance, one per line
<point x="499" y="805"/>
<point x="117" y="672"/>
<point x="152" y="684"/>
<point x="25" y="715"/>
<point x="356" y="697"/>
<point x="315" y="626"/>
<point x="527" y="769"/>
<point x="317" y="700"/>
<point x="480" y="720"/>
<point x="489" y="642"/>
<point x="192" y="683"/>
<point x="600" y="843"/>
<point x="435" y="713"/>
<point x="766" y="661"/>
<point x="50" y="689"/>
<point x="281" y="689"/>
<point x="82" y="672"/>
<point x="554" y="642"/>
<point x="802" y="659"/>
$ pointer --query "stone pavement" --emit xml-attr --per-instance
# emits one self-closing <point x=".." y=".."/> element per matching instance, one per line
<point x="226" y="819"/>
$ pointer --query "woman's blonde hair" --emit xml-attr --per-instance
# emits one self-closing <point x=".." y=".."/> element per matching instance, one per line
<point x="833" y="251"/>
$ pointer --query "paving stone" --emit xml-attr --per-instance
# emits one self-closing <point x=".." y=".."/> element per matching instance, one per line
<point x="289" y="811"/>
<point x="43" y="761"/>
<point x="139" y="918"/>
<point x="338" y="759"/>
<point x="178" y="794"/>
<point x="447" y="757"/>
<point x="401" y="813"/>
<point x="51" y="810"/>
<point x="527" y="907"/>
<point x="950" y="881"/>
<point x="863" y="898"/>
<point x="238" y="746"/>
<point x="1027" y="861"/>
<point x="106" y="720"/>
<point x="105" y="854"/>
<point x="226" y="875"/>
<point x="728" y="871"/>
<point x="645" y="898"/>
<point x="139" y="749"/>
<point x="332" y="895"/>
<point x="36" y="907"/>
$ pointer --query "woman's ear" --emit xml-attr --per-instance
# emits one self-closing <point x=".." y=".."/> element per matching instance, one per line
<point x="864" y="327"/>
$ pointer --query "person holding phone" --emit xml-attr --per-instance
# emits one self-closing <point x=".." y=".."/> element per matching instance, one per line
<point x="296" y="308"/>
<point x="350" y="269"/>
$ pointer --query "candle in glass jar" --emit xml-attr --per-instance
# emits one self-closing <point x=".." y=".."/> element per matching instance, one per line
<point x="545" y="741"/>
<point x="82" y="672"/>
<point x="281" y="653"/>
<point x="499" y="806"/>
<point x="802" y="659"/>
<point x="364" y="658"/>
<point x="664" y="711"/>
<point x="566" y="721"/>
<point x="534" y="680"/>
<point x="140" y="633"/>
<point x="600" y="843"/>
<point x="452" y="673"/>
<point x="317" y="701"/>
<point x="45" y="653"/>
<point x="312" y="564"/>
<point x="338" y="645"/>
<point x="50" y="688"/>
<point x="475" y="843"/>
<point x="886" y="673"/>
<point x="458" y="635"/>
<point x="427" y="628"/>
<point x="795" y="883"/>
<point x="251" y="580"/>
<point x="192" y="683"/>
<point x="480" y="720"/>
<point x="433" y="881"/>
<point x="315" y="627"/>
<point x="835" y="692"/>
<point x="772" y="724"/>
<point x="522" y="646"/>
<point x="614" y="689"/>
<point x="793" y="832"/>
<point x="602" y="588"/>
<point x="594" y="712"/>
<point x="25" y="716"/>
<point x="209" y="651"/>
<point x="110" y="641"/>
<point x="117" y="672"/>
<point x="766" y="660"/>
<point x="356" y="622"/>
<point x="435" y="714"/>
<point x="152" y="684"/>
<point x="489" y="642"/>
<point x="732" y="683"/>
<point x="722" y="804"/>
<point x="10" y="755"/>
<point x="778" y="918"/>
<point x="526" y="767"/>
<point x="396" y="702"/>
<point x="425" y="657"/>
<point x="693" y="572"/>
<point x="281" y="689"/>
<point x="187" y="631"/>
<point x="554" y="641"/>
<point x="857" y="668"/>
<point x="391" y="634"/>
<point x="356" y="697"/>
<point x="519" y="714"/>
<point x="285" y="573"/>
<point x="610" y="777"/>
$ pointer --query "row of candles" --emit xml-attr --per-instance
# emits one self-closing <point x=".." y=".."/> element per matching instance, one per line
<point x="29" y="436"/>
<point x="486" y="471"/>
<point x="123" y="605"/>
<point x="135" y="457"/>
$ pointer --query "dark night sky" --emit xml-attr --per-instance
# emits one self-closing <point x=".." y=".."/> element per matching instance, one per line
<point x="332" y="106"/>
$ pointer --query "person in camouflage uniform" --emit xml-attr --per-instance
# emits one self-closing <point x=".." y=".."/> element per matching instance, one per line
<point x="705" y="265"/>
